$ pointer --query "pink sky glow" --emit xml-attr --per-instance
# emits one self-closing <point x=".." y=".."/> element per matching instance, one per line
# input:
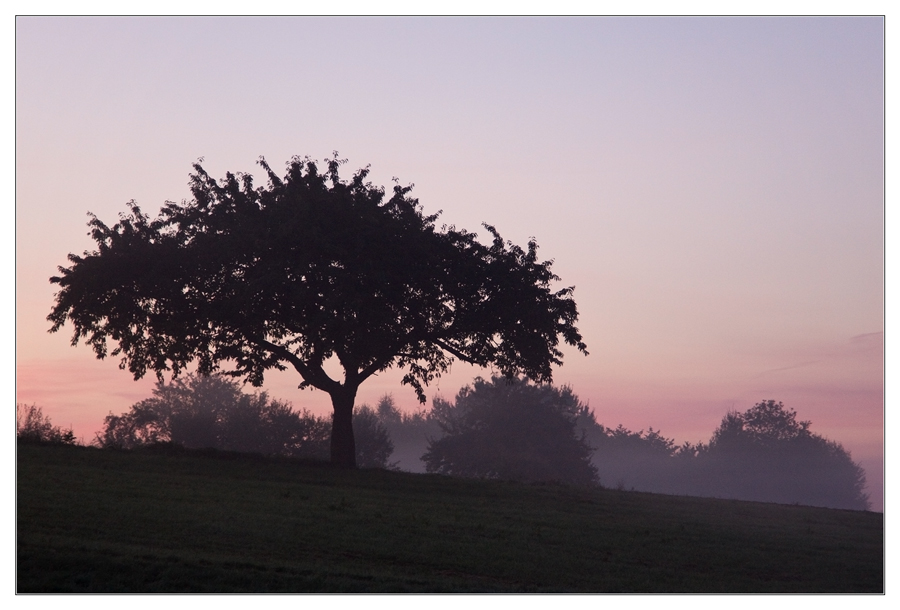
<point x="712" y="187"/>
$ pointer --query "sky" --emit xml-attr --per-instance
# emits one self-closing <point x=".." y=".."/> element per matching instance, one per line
<point x="712" y="187"/>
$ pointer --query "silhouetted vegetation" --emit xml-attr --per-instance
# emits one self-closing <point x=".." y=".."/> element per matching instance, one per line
<point x="198" y="412"/>
<point x="521" y="431"/>
<point x="307" y="269"/>
<point x="511" y="429"/>
<point x="631" y="460"/>
<point x="763" y="454"/>
<point x="506" y="429"/>
<point x="32" y="426"/>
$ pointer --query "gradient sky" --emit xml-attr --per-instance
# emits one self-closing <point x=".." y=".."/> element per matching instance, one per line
<point x="712" y="187"/>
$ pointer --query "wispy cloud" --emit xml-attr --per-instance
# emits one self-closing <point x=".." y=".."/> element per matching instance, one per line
<point x="787" y="368"/>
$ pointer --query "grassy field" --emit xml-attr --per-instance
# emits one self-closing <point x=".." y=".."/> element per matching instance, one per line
<point x="104" y="521"/>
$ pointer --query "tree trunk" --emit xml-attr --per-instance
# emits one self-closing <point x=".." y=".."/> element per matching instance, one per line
<point x="343" y="445"/>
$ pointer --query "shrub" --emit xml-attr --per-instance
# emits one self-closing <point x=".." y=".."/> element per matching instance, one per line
<point x="198" y="412"/>
<point x="32" y="426"/>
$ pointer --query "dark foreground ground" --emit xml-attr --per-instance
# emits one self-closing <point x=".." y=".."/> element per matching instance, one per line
<point x="103" y="521"/>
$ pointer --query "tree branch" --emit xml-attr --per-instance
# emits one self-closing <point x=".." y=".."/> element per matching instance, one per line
<point x="315" y="376"/>
<point x="454" y="351"/>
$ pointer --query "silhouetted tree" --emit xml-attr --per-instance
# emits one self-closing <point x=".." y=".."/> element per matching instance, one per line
<point x="765" y="454"/>
<point x="32" y="426"/>
<point x="309" y="268"/>
<point x="511" y="429"/>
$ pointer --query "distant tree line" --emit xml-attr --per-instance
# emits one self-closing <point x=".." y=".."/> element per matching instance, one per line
<point x="514" y="429"/>
<point x="763" y="454"/>
<point x="502" y="428"/>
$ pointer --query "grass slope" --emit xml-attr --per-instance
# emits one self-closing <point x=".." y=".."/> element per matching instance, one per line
<point x="103" y="521"/>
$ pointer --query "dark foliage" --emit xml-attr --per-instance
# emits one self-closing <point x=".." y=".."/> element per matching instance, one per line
<point x="630" y="460"/>
<point x="511" y="429"/>
<point x="199" y="412"/>
<point x="32" y="426"/>
<point x="308" y="268"/>
<point x="763" y="454"/>
<point x="766" y="454"/>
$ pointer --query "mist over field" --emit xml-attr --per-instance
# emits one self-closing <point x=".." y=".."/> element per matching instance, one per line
<point x="505" y="429"/>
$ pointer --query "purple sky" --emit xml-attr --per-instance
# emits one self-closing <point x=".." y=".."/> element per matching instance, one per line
<point x="713" y="187"/>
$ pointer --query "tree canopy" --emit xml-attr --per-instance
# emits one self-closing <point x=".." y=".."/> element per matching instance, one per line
<point x="309" y="268"/>
<point x="511" y="429"/>
<point x="765" y="454"/>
